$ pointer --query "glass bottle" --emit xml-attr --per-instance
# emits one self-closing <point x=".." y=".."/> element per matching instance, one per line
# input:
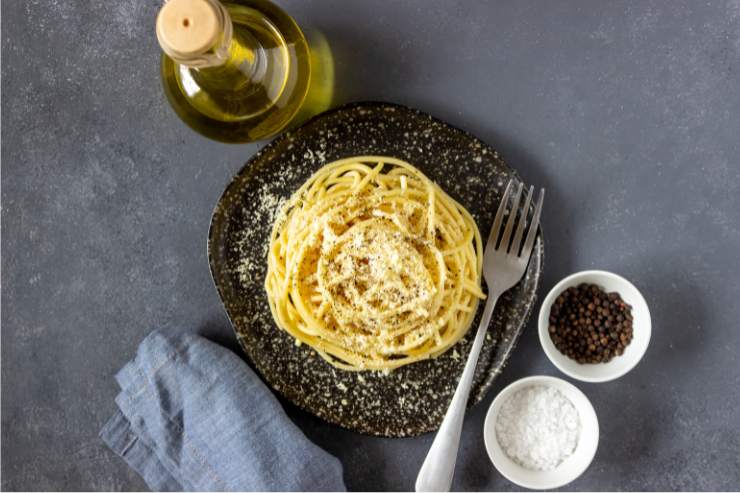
<point x="241" y="70"/>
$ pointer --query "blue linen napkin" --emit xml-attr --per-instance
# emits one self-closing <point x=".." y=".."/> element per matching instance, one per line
<point x="193" y="416"/>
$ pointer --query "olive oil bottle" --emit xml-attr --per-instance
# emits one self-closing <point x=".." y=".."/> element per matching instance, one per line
<point x="241" y="70"/>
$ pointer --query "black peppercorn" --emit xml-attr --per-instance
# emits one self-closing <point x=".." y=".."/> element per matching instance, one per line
<point x="590" y="326"/>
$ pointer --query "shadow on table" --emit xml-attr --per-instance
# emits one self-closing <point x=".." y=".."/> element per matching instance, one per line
<point x="677" y="309"/>
<point x="679" y="345"/>
<point x="218" y="329"/>
<point x="361" y="71"/>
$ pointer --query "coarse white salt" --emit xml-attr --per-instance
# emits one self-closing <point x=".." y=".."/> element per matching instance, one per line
<point x="538" y="427"/>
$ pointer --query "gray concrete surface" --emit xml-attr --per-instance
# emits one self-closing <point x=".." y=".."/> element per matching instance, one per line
<point x="628" y="112"/>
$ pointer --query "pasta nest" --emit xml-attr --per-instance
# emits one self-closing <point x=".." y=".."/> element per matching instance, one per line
<point x="373" y="265"/>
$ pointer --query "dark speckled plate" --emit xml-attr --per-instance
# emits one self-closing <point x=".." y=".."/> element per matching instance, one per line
<point x="410" y="400"/>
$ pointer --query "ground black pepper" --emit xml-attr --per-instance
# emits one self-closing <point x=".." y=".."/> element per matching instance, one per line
<point x="589" y="325"/>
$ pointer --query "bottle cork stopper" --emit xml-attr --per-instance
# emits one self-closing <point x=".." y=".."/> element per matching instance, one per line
<point x="188" y="27"/>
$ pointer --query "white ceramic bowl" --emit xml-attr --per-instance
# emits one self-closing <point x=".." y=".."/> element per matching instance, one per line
<point x="570" y="468"/>
<point x="619" y="365"/>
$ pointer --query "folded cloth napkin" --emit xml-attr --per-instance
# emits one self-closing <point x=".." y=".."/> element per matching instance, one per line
<point x="193" y="416"/>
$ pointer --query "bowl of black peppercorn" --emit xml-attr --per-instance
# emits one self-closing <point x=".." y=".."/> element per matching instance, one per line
<point x="594" y="326"/>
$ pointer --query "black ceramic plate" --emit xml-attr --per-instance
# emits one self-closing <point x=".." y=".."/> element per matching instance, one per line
<point x="412" y="399"/>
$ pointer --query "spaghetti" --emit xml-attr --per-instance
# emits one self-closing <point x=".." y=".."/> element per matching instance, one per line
<point x="373" y="265"/>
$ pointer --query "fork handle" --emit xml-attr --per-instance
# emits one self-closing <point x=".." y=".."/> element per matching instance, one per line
<point x="439" y="466"/>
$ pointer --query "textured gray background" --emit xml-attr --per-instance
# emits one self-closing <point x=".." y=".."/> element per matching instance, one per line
<point x="629" y="114"/>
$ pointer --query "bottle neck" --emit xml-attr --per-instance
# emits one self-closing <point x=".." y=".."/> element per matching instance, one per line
<point x="218" y="52"/>
<point x="234" y="59"/>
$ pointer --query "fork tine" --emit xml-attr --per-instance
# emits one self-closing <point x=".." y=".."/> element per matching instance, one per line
<point x="512" y="219"/>
<point x="516" y="243"/>
<point x="496" y="228"/>
<point x="534" y="225"/>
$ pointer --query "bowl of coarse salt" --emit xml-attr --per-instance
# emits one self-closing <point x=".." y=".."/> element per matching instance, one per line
<point x="541" y="432"/>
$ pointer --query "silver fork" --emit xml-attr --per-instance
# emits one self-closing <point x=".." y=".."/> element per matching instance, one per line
<point x="503" y="267"/>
